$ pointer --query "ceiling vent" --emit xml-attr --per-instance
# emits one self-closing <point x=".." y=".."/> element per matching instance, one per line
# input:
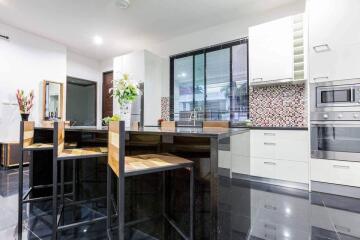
<point x="123" y="3"/>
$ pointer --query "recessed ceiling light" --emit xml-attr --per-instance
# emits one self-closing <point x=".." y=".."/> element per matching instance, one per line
<point x="98" y="40"/>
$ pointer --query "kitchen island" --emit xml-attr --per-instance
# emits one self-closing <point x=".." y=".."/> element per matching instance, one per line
<point x="206" y="147"/>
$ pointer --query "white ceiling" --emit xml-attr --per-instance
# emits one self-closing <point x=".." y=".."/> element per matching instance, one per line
<point x="74" y="23"/>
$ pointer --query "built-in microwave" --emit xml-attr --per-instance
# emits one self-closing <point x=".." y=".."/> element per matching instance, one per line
<point x="335" y="96"/>
<point x="344" y="95"/>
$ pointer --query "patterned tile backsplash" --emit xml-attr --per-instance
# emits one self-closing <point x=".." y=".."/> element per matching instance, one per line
<point x="278" y="106"/>
<point x="270" y="106"/>
<point x="165" y="108"/>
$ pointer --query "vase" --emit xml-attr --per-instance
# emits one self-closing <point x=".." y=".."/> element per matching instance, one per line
<point x="125" y="114"/>
<point x="24" y="116"/>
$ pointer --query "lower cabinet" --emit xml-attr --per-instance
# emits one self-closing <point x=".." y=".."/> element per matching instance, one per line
<point x="280" y="169"/>
<point x="336" y="172"/>
<point x="280" y="154"/>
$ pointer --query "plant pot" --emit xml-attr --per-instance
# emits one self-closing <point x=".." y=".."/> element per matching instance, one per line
<point x="24" y="116"/>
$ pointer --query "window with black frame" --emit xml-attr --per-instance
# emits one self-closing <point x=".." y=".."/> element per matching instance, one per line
<point x="211" y="82"/>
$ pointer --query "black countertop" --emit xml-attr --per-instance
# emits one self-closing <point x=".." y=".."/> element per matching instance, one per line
<point x="278" y="128"/>
<point x="179" y="131"/>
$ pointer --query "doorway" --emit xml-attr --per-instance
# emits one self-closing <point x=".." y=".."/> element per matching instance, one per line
<point x="81" y="102"/>
<point x="107" y="99"/>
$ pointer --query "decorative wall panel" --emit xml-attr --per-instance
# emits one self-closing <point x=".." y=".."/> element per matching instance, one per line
<point x="278" y="106"/>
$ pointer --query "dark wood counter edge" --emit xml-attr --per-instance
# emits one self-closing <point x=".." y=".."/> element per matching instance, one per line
<point x="219" y="135"/>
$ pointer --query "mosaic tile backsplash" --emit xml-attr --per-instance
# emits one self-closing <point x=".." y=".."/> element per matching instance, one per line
<point x="278" y="106"/>
<point x="165" y="108"/>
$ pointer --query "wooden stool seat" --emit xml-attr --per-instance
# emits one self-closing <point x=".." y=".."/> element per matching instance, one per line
<point x="39" y="146"/>
<point x="84" y="152"/>
<point x="143" y="164"/>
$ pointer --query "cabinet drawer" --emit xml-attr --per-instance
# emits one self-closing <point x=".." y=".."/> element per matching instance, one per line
<point x="280" y="169"/>
<point x="337" y="172"/>
<point x="292" y="171"/>
<point x="293" y="145"/>
<point x="263" y="144"/>
<point x="262" y="167"/>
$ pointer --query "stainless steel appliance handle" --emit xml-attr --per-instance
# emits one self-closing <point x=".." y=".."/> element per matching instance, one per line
<point x="335" y="123"/>
<point x="257" y="79"/>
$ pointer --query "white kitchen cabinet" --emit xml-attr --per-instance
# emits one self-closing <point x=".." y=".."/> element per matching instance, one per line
<point x="336" y="172"/>
<point x="240" y="153"/>
<point x="276" y="51"/>
<point x="280" y="154"/>
<point x="286" y="170"/>
<point x="334" y="39"/>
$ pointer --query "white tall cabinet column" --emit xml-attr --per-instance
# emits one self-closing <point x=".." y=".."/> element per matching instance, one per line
<point x="143" y="67"/>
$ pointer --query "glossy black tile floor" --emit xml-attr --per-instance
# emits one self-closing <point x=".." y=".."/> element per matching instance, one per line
<point x="248" y="210"/>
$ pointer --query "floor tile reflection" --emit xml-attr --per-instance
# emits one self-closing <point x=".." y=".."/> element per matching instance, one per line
<point x="247" y="210"/>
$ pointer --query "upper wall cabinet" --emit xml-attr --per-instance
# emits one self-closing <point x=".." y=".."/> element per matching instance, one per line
<point x="334" y="39"/>
<point x="276" y="51"/>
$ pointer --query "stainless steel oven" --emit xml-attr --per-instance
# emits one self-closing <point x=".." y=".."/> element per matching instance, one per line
<point x="337" y="140"/>
<point x="335" y="120"/>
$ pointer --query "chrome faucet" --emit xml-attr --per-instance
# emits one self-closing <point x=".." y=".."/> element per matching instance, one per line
<point x="193" y="116"/>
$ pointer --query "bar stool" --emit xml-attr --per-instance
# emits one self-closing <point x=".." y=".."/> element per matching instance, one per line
<point x="216" y="124"/>
<point x="139" y="165"/>
<point x="60" y="154"/>
<point x="27" y="144"/>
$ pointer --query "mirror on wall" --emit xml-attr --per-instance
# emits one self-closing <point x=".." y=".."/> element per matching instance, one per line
<point x="52" y="100"/>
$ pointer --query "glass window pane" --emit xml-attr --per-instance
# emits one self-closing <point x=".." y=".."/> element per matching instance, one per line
<point x="183" y="87"/>
<point x="240" y="96"/>
<point x="200" y="85"/>
<point x="218" y="85"/>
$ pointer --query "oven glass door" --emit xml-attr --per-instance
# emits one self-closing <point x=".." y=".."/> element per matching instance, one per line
<point x="340" y="142"/>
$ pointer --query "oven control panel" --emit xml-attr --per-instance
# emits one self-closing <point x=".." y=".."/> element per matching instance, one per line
<point x="335" y="116"/>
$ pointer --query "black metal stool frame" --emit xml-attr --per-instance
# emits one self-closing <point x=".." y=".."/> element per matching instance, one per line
<point x="121" y="192"/>
<point x="25" y="198"/>
<point x="57" y="214"/>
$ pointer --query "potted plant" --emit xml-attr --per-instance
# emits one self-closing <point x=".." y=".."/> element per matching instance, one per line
<point x="114" y="118"/>
<point x="125" y="92"/>
<point x="25" y="103"/>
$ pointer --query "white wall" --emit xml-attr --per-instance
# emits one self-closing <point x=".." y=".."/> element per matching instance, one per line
<point x="88" y="69"/>
<point x="217" y="34"/>
<point x="25" y="61"/>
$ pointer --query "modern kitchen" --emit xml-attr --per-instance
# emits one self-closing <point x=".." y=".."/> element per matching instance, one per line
<point x="180" y="120"/>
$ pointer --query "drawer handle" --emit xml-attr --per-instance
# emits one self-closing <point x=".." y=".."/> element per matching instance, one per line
<point x="257" y="79"/>
<point x="270" y="163"/>
<point x="267" y="206"/>
<point x="269" y="134"/>
<point x="342" y="229"/>
<point x="319" y="78"/>
<point x="321" y="48"/>
<point x="269" y="143"/>
<point x="341" y="166"/>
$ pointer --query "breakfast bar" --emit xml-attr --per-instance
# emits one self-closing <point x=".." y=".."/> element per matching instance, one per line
<point x="203" y="146"/>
